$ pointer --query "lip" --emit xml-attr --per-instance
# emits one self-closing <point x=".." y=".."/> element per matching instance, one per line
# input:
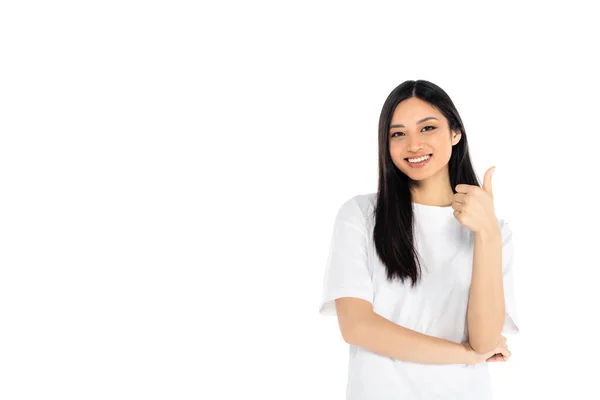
<point x="422" y="163"/>
<point x="420" y="155"/>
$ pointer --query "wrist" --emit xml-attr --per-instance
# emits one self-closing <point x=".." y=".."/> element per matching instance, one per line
<point x="468" y="355"/>
<point x="492" y="231"/>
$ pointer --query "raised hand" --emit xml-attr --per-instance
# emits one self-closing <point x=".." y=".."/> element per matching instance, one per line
<point x="474" y="206"/>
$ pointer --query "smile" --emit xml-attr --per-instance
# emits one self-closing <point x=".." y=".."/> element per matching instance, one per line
<point x="420" y="161"/>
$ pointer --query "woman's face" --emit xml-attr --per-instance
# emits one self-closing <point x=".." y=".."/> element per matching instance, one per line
<point x="417" y="128"/>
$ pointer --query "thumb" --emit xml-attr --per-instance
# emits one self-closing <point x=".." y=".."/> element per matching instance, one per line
<point x="487" y="180"/>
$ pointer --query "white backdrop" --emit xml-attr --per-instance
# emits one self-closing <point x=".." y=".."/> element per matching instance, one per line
<point x="170" y="173"/>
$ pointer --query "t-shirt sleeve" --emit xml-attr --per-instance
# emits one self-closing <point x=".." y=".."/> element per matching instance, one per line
<point x="347" y="273"/>
<point x="511" y="319"/>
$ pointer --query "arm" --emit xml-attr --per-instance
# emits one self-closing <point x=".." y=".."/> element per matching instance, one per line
<point x="361" y="326"/>
<point x="485" y="314"/>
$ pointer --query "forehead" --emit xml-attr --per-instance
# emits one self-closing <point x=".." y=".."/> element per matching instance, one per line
<point x="411" y="110"/>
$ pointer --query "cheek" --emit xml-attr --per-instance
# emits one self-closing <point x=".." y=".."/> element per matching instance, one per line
<point x="443" y="157"/>
<point x="396" y="155"/>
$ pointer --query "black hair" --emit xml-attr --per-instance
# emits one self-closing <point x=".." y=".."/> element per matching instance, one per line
<point x="393" y="233"/>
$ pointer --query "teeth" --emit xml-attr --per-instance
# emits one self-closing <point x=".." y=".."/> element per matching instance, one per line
<point x="415" y="160"/>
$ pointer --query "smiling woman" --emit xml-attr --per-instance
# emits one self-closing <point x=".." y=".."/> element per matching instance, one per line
<point x="420" y="323"/>
<point x="417" y="142"/>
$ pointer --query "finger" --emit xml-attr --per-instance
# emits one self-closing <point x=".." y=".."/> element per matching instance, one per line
<point x="463" y="188"/>
<point x="457" y="206"/>
<point x="458" y="215"/>
<point x="505" y="353"/>
<point x="487" y="180"/>
<point x="495" y="358"/>
<point x="459" y="197"/>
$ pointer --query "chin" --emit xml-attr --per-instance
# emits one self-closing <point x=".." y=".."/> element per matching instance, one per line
<point x="419" y="176"/>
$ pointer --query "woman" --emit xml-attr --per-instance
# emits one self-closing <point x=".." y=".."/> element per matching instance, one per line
<point x="419" y="274"/>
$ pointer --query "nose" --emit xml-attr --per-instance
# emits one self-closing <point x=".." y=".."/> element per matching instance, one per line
<point x="414" y="144"/>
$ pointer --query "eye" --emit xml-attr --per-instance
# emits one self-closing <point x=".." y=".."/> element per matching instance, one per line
<point x="397" y="132"/>
<point x="429" y="126"/>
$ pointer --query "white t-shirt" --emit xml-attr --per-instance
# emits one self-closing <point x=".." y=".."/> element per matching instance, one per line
<point x="437" y="306"/>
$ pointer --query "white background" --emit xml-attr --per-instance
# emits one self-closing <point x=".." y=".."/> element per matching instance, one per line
<point x="170" y="173"/>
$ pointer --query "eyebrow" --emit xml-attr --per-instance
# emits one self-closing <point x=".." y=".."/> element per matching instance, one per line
<point x="418" y="122"/>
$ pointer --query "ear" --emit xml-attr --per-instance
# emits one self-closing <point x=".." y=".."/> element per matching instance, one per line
<point x="456" y="135"/>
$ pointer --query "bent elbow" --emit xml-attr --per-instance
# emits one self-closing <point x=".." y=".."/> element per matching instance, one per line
<point x="348" y="338"/>
<point x="482" y="347"/>
<point x="352" y="313"/>
<point x="351" y="333"/>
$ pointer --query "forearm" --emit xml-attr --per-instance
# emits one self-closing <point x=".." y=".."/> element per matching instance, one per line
<point x="382" y="336"/>
<point x="486" y="308"/>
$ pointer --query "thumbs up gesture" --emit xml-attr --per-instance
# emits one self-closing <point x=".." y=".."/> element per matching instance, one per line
<point x="474" y="206"/>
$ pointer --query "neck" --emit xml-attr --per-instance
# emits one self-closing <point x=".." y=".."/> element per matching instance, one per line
<point x="434" y="191"/>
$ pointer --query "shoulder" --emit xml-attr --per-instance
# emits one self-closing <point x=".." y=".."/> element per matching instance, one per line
<point x="359" y="205"/>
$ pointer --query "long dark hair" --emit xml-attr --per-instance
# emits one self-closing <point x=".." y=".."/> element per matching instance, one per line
<point x="393" y="233"/>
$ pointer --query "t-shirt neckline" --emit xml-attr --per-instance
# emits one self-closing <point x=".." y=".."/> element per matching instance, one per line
<point x="431" y="207"/>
